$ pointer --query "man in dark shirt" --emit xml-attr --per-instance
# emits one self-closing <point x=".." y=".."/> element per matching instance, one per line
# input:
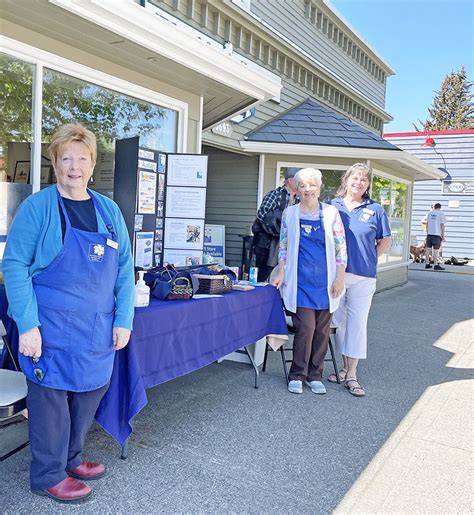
<point x="266" y="228"/>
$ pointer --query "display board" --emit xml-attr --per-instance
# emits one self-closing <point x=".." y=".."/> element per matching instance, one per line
<point x="140" y="191"/>
<point x="163" y="200"/>
<point x="185" y="209"/>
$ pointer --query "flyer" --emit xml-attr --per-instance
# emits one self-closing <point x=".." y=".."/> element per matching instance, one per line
<point x="144" y="249"/>
<point x="187" y="170"/>
<point x="138" y="224"/>
<point x="185" y="233"/>
<point x="146" y="192"/>
<point x="214" y="244"/>
<point x="181" y="202"/>
<point x="161" y="186"/>
<point x="182" y="257"/>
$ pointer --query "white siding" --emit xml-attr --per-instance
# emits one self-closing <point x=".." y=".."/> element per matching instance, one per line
<point x="454" y="153"/>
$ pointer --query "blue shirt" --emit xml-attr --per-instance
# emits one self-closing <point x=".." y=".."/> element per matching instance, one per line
<point x="364" y="225"/>
<point x="34" y="241"/>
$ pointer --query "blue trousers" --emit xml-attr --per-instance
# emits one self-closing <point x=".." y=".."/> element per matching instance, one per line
<point x="58" y="422"/>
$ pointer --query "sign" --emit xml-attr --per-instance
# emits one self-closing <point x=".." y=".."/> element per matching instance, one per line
<point x="214" y="244"/>
<point x="454" y="187"/>
<point x="243" y="116"/>
<point x="223" y="129"/>
<point x="453" y="203"/>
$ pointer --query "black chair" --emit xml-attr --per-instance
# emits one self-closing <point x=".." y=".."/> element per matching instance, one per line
<point x="283" y="350"/>
<point x="12" y="395"/>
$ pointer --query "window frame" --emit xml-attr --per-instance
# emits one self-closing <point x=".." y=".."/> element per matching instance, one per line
<point x="404" y="261"/>
<point x="41" y="59"/>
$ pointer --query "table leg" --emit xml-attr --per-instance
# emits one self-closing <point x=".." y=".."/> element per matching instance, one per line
<point x="124" y="455"/>
<point x="257" y="372"/>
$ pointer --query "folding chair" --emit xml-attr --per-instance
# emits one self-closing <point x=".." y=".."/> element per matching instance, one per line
<point x="12" y="395"/>
<point x="283" y="350"/>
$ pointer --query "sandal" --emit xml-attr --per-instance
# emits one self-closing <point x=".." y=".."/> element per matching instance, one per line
<point x="354" y="387"/>
<point x="332" y="378"/>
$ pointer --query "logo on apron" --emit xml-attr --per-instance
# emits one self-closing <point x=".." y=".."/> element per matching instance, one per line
<point x="96" y="252"/>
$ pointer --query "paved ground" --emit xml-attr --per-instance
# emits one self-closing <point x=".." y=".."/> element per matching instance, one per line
<point x="209" y="442"/>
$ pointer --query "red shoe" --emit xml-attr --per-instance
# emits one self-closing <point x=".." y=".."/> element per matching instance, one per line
<point x="69" y="490"/>
<point x="87" y="470"/>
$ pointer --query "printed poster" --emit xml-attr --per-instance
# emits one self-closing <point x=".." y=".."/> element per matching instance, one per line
<point x="181" y="202"/>
<point x="146" y="192"/>
<point x="182" y="257"/>
<point x="185" y="233"/>
<point x="144" y="249"/>
<point x="187" y="170"/>
<point x="214" y="244"/>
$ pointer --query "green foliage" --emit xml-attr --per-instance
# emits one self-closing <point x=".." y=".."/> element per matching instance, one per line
<point x="452" y="107"/>
<point x="65" y="99"/>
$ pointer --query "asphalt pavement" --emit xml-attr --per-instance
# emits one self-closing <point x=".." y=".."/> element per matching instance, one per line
<point x="210" y="443"/>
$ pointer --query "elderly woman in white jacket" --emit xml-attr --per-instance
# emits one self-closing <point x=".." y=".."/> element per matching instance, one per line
<point x="312" y="261"/>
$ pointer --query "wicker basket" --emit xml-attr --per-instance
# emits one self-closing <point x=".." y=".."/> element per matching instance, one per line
<point x="213" y="284"/>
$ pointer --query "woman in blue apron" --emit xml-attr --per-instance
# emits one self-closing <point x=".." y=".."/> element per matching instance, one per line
<point x="69" y="280"/>
<point x="311" y="268"/>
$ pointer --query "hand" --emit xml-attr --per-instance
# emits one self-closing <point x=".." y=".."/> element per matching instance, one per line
<point x="120" y="337"/>
<point x="30" y="343"/>
<point x="279" y="278"/>
<point x="337" y="286"/>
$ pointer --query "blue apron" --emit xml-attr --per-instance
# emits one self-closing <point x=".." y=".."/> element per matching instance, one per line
<point x="76" y="308"/>
<point x="312" y="266"/>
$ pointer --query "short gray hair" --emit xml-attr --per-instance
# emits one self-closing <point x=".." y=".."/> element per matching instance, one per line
<point x="309" y="173"/>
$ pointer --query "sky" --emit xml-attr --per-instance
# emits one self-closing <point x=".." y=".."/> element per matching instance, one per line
<point x="422" y="41"/>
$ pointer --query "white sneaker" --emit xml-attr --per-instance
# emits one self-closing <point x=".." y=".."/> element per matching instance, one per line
<point x="295" y="386"/>
<point x="316" y="387"/>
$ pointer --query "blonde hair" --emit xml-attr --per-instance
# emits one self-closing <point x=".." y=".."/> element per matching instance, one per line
<point x="341" y="192"/>
<point x="68" y="133"/>
<point x="309" y="173"/>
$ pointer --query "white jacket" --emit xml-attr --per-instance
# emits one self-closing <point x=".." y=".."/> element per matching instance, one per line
<point x="290" y="285"/>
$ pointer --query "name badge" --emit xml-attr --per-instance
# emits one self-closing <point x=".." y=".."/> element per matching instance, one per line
<point x="112" y="243"/>
<point x="369" y="211"/>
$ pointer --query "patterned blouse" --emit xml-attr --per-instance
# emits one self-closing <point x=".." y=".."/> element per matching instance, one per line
<point x="337" y="230"/>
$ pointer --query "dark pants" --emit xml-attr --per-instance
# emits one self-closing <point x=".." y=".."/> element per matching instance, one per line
<point x="310" y="343"/>
<point x="58" y="422"/>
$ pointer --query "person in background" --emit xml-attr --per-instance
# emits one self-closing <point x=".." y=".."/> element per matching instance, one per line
<point x="266" y="228"/>
<point x="69" y="280"/>
<point x="435" y="224"/>
<point x="312" y="260"/>
<point x="367" y="236"/>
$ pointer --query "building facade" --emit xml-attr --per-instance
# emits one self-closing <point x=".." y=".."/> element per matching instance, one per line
<point x="204" y="75"/>
<point x="453" y="153"/>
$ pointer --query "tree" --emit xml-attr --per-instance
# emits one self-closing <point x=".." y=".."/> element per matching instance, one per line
<point x="108" y="114"/>
<point x="452" y="108"/>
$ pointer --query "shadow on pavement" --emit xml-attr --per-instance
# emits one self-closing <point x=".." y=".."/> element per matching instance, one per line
<point x="210" y="442"/>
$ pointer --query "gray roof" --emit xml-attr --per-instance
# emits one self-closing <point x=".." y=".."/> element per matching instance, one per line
<point x="311" y="123"/>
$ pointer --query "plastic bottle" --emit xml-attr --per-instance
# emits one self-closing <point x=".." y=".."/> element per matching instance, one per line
<point x="142" y="292"/>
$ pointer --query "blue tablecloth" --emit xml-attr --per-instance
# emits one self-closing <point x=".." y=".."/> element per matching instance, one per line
<point x="173" y="338"/>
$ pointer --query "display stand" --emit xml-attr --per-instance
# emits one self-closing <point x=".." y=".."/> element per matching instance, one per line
<point x="140" y="192"/>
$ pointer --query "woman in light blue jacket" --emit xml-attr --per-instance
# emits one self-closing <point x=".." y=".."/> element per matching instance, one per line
<point x="69" y="278"/>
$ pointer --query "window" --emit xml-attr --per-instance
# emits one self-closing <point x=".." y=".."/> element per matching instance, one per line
<point x="109" y="115"/>
<point x="392" y="195"/>
<point x="16" y="129"/>
<point x="16" y="135"/>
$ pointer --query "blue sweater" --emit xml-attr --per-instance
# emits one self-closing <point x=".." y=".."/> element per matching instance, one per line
<point x="33" y="242"/>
